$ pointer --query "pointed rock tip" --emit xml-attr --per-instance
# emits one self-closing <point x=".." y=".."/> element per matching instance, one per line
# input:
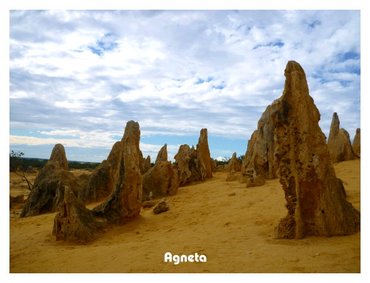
<point x="132" y="125"/>
<point x="132" y="129"/>
<point x="58" y="155"/>
<point x="293" y="66"/>
<point x="335" y="120"/>
<point x="204" y="131"/>
<point x="58" y="147"/>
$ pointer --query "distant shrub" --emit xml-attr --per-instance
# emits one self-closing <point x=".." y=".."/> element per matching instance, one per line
<point x="20" y="163"/>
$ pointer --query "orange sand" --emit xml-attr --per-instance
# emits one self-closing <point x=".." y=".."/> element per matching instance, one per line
<point x="232" y="225"/>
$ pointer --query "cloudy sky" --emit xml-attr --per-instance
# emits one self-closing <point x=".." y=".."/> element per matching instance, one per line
<point x="77" y="77"/>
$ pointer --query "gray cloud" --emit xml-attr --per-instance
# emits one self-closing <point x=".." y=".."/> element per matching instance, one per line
<point x="176" y="71"/>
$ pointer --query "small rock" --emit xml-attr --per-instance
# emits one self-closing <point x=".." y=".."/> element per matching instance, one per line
<point x="255" y="181"/>
<point x="161" y="207"/>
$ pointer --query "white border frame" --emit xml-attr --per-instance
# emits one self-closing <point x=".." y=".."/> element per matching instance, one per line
<point x="7" y="5"/>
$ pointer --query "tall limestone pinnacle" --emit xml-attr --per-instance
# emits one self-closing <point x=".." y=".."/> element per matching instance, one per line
<point x="58" y="156"/>
<point x="339" y="143"/>
<point x="162" y="178"/>
<point x="76" y="223"/>
<point x="194" y="164"/>
<point x="48" y="189"/>
<point x="259" y="157"/>
<point x="162" y="154"/>
<point x="103" y="179"/>
<point x="334" y="126"/>
<point x="125" y="201"/>
<point x="316" y="200"/>
<point x="204" y="155"/>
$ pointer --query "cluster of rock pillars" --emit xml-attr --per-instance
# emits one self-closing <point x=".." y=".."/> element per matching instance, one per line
<point x="288" y="144"/>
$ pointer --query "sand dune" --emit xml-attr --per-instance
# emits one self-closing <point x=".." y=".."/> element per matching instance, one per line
<point x="232" y="225"/>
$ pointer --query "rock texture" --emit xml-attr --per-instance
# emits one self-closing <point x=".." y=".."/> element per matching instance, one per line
<point x="48" y="189"/>
<point x="194" y="164"/>
<point x="356" y="145"/>
<point x="145" y="164"/>
<point x="234" y="164"/>
<point x="233" y="168"/>
<point x="162" y="154"/>
<point x="58" y="157"/>
<point x="315" y="196"/>
<point x="103" y="179"/>
<point x="255" y="181"/>
<point x="186" y="162"/>
<point x="161" y="207"/>
<point x="259" y="157"/>
<point x="339" y="143"/>
<point x="204" y="155"/>
<point x="74" y="222"/>
<point x="161" y="180"/>
<point x="125" y="201"/>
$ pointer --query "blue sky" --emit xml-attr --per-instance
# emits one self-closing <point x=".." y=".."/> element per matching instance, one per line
<point x="77" y="77"/>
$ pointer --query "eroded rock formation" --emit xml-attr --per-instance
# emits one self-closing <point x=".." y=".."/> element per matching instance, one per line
<point x="103" y="179"/>
<point x="48" y="189"/>
<point x="233" y="168"/>
<point x="259" y="157"/>
<point x="161" y="180"/>
<point x="162" y="154"/>
<point x="315" y="196"/>
<point x="234" y="164"/>
<point x="204" y="156"/>
<point x="145" y="164"/>
<point x="58" y="157"/>
<point x="194" y="164"/>
<point x="125" y="201"/>
<point x="339" y="143"/>
<point x="183" y="158"/>
<point x="74" y="222"/>
<point x="356" y="145"/>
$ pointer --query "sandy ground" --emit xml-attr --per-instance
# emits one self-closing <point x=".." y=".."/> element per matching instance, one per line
<point x="232" y="225"/>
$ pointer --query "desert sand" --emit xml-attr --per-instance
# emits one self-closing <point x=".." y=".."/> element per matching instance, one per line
<point x="229" y="223"/>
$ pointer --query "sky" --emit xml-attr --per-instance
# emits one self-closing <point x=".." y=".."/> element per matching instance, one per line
<point x="77" y="77"/>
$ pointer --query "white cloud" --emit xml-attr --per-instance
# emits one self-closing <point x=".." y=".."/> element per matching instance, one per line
<point x="174" y="71"/>
<point x="29" y="140"/>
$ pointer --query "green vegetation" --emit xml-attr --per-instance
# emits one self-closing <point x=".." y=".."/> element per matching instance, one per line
<point x="20" y="163"/>
<point x="16" y="160"/>
<point x="82" y="165"/>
